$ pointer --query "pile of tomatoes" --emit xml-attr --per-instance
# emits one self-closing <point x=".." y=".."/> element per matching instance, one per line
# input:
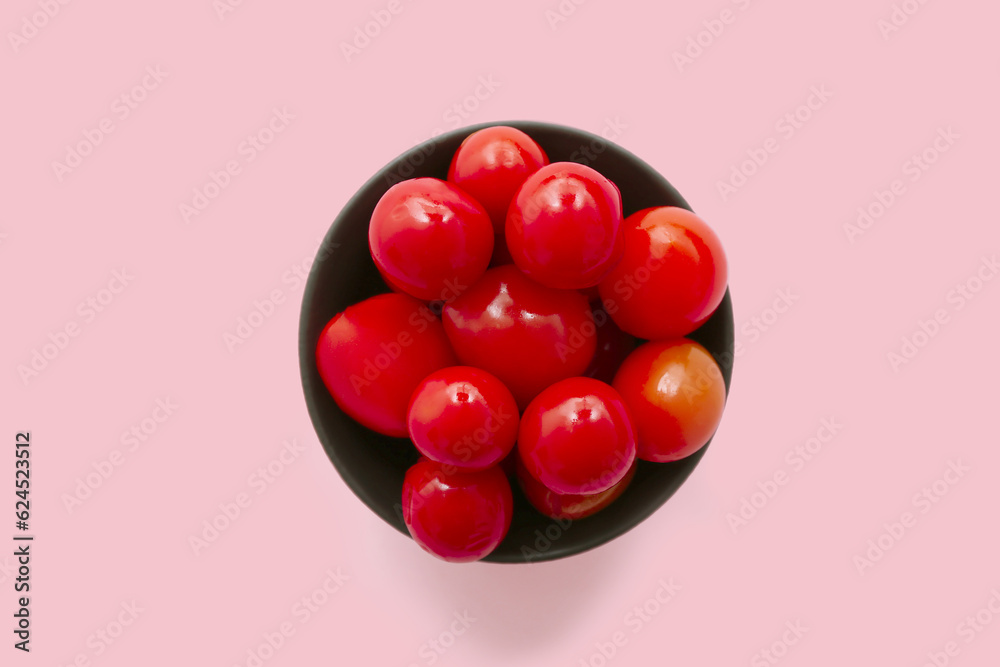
<point x="531" y="332"/>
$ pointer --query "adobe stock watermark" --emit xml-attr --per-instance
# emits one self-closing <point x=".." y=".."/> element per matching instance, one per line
<point x="795" y="460"/>
<point x="301" y="612"/>
<point x="32" y="24"/>
<point x="597" y="318"/>
<point x="966" y="632"/>
<point x="786" y="128"/>
<point x="545" y="539"/>
<point x="454" y="117"/>
<point x="230" y="511"/>
<point x="611" y="131"/>
<point x="434" y="648"/>
<point x="922" y="502"/>
<point x="224" y="8"/>
<point x="131" y="440"/>
<point x="8" y="568"/>
<point x="246" y="153"/>
<point x="364" y="33"/>
<point x="418" y="322"/>
<point x="121" y="109"/>
<point x="957" y="299"/>
<point x="779" y="648"/>
<point x="101" y="640"/>
<point x="754" y="328"/>
<point x="467" y="447"/>
<point x="263" y="309"/>
<point x="561" y="13"/>
<point x="913" y="169"/>
<point x="900" y="15"/>
<point x="634" y="620"/>
<point x="712" y="29"/>
<point x="462" y="110"/>
<point x="87" y="311"/>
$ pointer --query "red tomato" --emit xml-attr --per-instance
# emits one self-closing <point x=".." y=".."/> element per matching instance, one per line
<point x="491" y="165"/>
<point x="463" y="417"/>
<point x="672" y="277"/>
<point x="527" y="335"/>
<point x="569" y="506"/>
<point x="576" y="437"/>
<point x="374" y="354"/>
<point x="456" y="516"/>
<point x="564" y="227"/>
<point x="391" y="284"/>
<point x="676" y="394"/>
<point x="427" y="236"/>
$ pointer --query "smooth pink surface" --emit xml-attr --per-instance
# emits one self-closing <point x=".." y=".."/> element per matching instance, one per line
<point x="609" y="68"/>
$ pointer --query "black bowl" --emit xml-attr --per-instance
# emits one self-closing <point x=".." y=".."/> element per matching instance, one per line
<point x="373" y="465"/>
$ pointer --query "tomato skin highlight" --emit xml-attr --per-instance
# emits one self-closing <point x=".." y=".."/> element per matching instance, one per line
<point x="676" y="394"/>
<point x="373" y="355"/>
<point x="429" y="239"/>
<point x="672" y="275"/>
<point x="492" y="164"/>
<point x="577" y="437"/>
<point x="459" y="517"/>
<point x="569" y="506"/>
<point x="527" y="335"/>
<point x="464" y="417"/>
<point x="564" y="228"/>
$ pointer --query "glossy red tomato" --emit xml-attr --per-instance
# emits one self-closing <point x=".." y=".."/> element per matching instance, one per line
<point x="429" y="238"/>
<point x="676" y="394"/>
<point x="491" y="165"/>
<point x="456" y="516"/>
<point x="672" y="277"/>
<point x="391" y="284"/>
<point x="526" y="334"/>
<point x="374" y="354"/>
<point x="463" y="417"/>
<point x="564" y="227"/>
<point x="576" y="437"/>
<point x="569" y="506"/>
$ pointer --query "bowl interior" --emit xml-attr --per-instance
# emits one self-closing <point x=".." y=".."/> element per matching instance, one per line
<point x="373" y="465"/>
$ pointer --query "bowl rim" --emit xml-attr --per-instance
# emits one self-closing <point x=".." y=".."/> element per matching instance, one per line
<point x="306" y="347"/>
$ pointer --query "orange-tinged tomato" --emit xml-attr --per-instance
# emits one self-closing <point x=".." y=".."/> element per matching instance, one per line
<point x="676" y="393"/>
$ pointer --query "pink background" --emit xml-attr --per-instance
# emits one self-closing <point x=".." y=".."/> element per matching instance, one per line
<point x="188" y="284"/>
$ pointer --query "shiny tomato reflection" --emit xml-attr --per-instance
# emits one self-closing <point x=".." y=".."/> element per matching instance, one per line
<point x="456" y="516"/>
<point x="528" y="335"/>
